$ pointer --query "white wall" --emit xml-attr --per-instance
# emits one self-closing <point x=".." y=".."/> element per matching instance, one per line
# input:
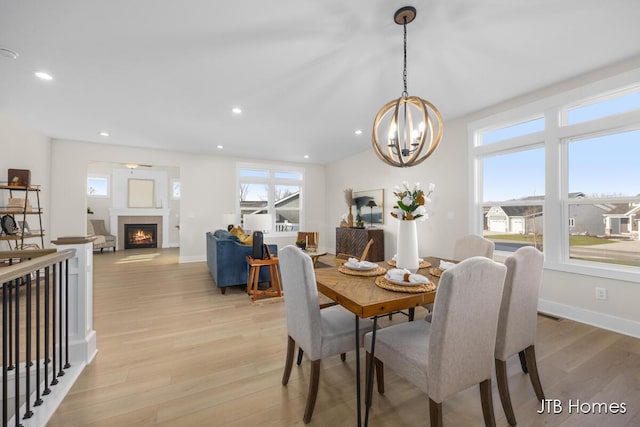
<point x="445" y="168"/>
<point x="564" y="294"/>
<point x="208" y="189"/>
<point x="25" y="148"/>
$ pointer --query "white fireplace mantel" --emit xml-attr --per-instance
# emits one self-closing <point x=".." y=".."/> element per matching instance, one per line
<point x="122" y="212"/>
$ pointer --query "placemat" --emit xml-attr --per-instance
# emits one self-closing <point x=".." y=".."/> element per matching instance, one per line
<point x="435" y="271"/>
<point x="385" y="284"/>
<point x="423" y="263"/>
<point x="375" y="272"/>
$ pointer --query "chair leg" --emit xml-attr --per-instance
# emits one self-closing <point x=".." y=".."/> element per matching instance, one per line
<point x="379" y="374"/>
<point x="291" y="346"/>
<point x="523" y="362"/>
<point x="223" y="290"/>
<point x="530" y="355"/>
<point x="300" y="353"/>
<point x="343" y="356"/>
<point x="435" y="413"/>
<point x="314" y="380"/>
<point x="487" y="403"/>
<point x="503" y="389"/>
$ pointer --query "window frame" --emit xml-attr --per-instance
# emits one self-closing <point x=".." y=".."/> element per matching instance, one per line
<point x="555" y="140"/>
<point x="104" y="177"/>
<point x="272" y="181"/>
<point x="171" y="189"/>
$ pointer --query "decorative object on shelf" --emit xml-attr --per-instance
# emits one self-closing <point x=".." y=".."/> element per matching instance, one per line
<point x="348" y="198"/>
<point x="9" y="225"/>
<point x="19" y="177"/>
<point x="23" y="227"/>
<point x="410" y="206"/>
<point x="89" y="211"/>
<point x="359" y="223"/>
<point x="19" y="204"/>
<point x="395" y="139"/>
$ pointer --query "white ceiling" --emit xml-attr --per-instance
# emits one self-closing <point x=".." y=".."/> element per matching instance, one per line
<point x="165" y="73"/>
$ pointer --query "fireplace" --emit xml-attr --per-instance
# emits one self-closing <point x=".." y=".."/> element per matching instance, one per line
<point x="140" y="236"/>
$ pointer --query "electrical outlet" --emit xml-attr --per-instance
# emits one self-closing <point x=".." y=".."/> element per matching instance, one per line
<point x="601" y="293"/>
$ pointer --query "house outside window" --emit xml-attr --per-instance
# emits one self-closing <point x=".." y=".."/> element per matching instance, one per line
<point x="276" y="190"/>
<point x="561" y="174"/>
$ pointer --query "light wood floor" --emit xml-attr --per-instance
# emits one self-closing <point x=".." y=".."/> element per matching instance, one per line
<point x="173" y="351"/>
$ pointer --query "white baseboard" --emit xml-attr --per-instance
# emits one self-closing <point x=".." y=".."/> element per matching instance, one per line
<point x="197" y="258"/>
<point x="593" y="318"/>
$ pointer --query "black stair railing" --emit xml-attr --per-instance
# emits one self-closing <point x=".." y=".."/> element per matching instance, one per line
<point x="35" y="313"/>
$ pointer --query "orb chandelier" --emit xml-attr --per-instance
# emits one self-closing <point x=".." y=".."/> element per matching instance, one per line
<point x="406" y="130"/>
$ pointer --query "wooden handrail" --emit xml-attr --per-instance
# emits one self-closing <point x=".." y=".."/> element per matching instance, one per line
<point x="27" y="254"/>
<point x="21" y="269"/>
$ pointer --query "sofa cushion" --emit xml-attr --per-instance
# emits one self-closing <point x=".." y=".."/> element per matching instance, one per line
<point x="225" y="235"/>
<point x="245" y="239"/>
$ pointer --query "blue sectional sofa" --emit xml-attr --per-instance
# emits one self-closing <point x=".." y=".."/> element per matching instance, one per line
<point x="227" y="262"/>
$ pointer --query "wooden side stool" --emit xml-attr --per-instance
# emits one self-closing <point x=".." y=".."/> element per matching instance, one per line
<point x="274" y="289"/>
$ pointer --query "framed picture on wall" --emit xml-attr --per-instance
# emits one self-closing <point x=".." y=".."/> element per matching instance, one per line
<point x="141" y="193"/>
<point x="369" y="206"/>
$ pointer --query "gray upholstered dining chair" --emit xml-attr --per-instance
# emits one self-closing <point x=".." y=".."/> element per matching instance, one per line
<point x="320" y="333"/>
<point x="455" y="350"/>
<point x="517" y="322"/>
<point x="466" y="247"/>
<point x="473" y="245"/>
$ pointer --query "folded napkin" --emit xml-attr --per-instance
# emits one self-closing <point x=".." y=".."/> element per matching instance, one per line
<point x="354" y="263"/>
<point x="402" y="274"/>
<point x="444" y="265"/>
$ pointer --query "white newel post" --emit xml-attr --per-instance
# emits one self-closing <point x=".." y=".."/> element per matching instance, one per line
<point x="82" y="337"/>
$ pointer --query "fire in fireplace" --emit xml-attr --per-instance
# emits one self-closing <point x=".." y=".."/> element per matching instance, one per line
<point x="140" y="236"/>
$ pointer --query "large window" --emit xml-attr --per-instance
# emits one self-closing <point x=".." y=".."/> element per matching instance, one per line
<point x="274" y="190"/>
<point x="561" y="174"/>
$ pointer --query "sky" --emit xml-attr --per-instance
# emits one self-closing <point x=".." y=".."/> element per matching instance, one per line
<point x="601" y="166"/>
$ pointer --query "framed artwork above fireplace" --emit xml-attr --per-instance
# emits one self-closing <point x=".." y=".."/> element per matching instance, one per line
<point x="141" y="193"/>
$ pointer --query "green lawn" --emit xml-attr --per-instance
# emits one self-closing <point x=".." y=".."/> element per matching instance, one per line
<point x="573" y="240"/>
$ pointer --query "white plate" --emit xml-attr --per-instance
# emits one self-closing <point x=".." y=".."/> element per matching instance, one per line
<point x="403" y="283"/>
<point x="360" y="268"/>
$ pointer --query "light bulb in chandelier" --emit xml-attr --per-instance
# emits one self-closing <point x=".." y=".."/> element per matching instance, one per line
<point x="406" y="145"/>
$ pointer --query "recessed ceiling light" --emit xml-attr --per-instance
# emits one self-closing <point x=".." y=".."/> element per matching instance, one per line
<point x="220" y="147"/>
<point x="306" y="156"/>
<point x="104" y="134"/>
<point x="44" y="76"/>
<point x="236" y="110"/>
<point x="358" y="132"/>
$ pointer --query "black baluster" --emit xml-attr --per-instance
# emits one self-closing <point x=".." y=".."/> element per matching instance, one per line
<point x="67" y="365"/>
<point x="47" y="283"/>
<point x="28" y="413"/>
<point x="38" y="400"/>
<point x="54" y="380"/>
<point x="60" y="314"/>
<point x="5" y="366"/>
<point x="10" y="304"/>
<point x="17" y="355"/>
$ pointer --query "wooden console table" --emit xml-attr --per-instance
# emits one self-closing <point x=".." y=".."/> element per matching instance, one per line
<point x="353" y="240"/>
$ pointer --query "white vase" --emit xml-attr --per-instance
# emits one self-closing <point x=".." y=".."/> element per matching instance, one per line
<point x="407" y="255"/>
